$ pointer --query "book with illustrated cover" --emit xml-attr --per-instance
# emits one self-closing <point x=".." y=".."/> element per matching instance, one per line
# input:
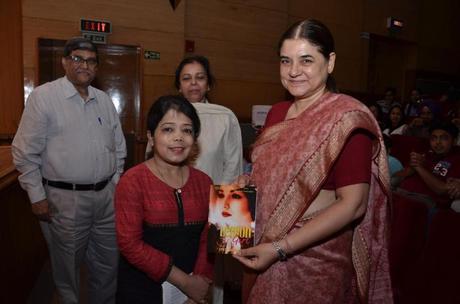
<point x="231" y="218"/>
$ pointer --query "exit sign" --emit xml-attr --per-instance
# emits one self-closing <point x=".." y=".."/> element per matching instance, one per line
<point x="95" y="26"/>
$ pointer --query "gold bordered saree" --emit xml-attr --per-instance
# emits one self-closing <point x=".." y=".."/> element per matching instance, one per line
<point x="292" y="160"/>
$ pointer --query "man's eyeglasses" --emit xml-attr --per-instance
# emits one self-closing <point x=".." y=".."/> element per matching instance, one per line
<point x="91" y="62"/>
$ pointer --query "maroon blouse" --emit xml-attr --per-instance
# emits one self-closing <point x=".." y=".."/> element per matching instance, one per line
<point x="353" y="165"/>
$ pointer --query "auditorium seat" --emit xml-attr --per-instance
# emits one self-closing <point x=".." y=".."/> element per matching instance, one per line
<point x="403" y="145"/>
<point x="408" y="236"/>
<point x="441" y="260"/>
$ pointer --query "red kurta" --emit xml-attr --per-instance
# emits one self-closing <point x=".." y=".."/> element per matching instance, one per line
<point x="143" y="198"/>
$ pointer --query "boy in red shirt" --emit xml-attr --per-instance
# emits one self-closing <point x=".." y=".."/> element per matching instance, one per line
<point x="428" y="173"/>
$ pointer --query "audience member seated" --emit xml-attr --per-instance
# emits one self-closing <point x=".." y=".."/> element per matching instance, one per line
<point x="447" y="103"/>
<point x="420" y="126"/>
<point x="395" y="123"/>
<point x="411" y="109"/>
<point x="387" y="101"/>
<point x="378" y="114"/>
<point x="429" y="174"/>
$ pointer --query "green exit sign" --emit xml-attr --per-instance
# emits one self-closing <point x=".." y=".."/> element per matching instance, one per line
<point x="152" y="55"/>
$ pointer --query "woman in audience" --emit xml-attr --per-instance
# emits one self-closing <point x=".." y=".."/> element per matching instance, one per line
<point x="395" y="124"/>
<point x="321" y="173"/>
<point x="161" y="210"/>
<point x="376" y="110"/>
<point x="420" y="126"/>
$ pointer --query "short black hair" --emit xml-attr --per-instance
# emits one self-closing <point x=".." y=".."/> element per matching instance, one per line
<point x="176" y="102"/>
<point x="79" y="43"/>
<point x="446" y="126"/>
<point x="200" y="60"/>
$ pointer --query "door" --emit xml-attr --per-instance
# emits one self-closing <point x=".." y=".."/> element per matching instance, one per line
<point x="392" y="63"/>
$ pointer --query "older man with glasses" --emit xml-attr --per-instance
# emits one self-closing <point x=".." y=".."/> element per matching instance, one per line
<point x="70" y="151"/>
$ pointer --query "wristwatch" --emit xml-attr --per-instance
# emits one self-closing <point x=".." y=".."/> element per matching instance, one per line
<point x="282" y="255"/>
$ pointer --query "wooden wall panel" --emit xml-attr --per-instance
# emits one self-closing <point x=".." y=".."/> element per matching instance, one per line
<point x="170" y="46"/>
<point x="11" y="92"/>
<point x="154" y="87"/>
<point x="438" y="38"/>
<point x="350" y="56"/>
<point x="275" y="5"/>
<point x="347" y="13"/>
<point x="239" y="95"/>
<point x="237" y="61"/>
<point x="240" y="39"/>
<point x="238" y="23"/>
<point x="153" y="15"/>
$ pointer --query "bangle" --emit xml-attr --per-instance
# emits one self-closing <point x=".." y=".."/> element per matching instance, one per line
<point x="282" y="255"/>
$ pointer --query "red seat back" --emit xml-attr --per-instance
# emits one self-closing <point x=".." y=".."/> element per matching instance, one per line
<point x="403" y="145"/>
<point x="408" y="236"/>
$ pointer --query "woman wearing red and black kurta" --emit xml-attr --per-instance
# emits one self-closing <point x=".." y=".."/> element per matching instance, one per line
<point x="161" y="212"/>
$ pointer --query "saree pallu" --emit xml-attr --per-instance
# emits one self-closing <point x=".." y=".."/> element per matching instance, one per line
<point x="292" y="161"/>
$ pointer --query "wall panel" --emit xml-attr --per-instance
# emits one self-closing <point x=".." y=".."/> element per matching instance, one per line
<point x="240" y="39"/>
<point x="11" y="92"/>
<point x="239" y="95"/>
<point x="438" y="38"/>
<point x="238" y="23"/>
<point x="153" y="15"/>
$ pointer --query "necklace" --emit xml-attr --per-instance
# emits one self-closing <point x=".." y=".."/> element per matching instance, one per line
<point x="173" y="185"/>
